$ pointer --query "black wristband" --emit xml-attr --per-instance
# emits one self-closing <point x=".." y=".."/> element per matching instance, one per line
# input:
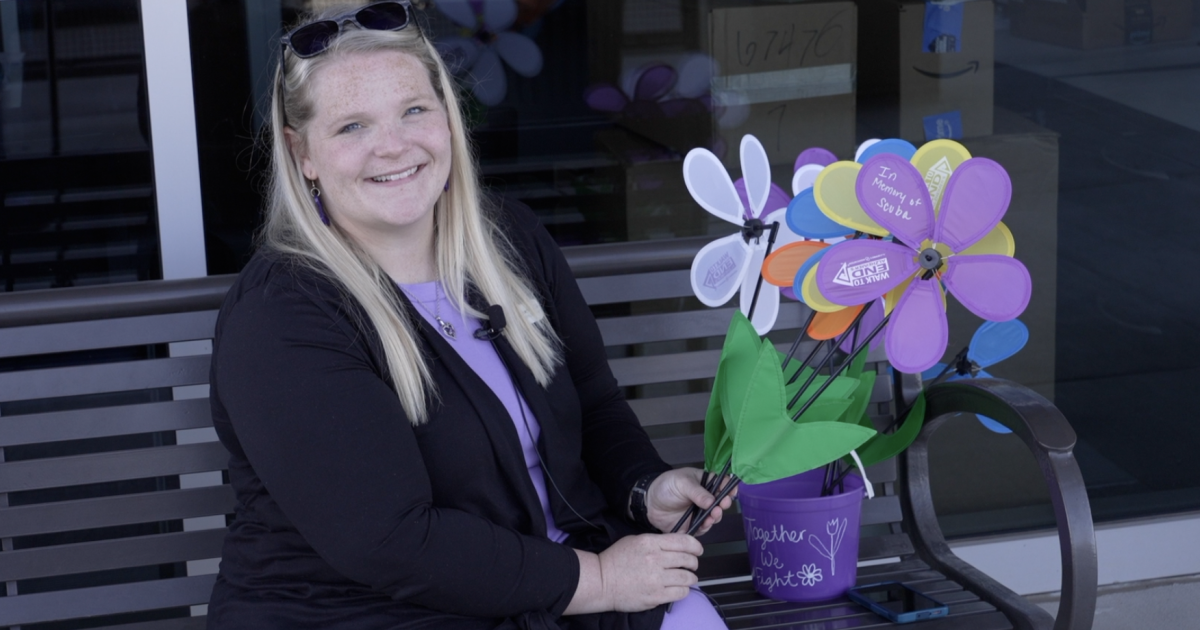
<point x="638" y="506"/>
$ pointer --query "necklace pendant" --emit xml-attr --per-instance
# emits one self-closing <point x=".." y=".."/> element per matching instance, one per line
<point x="447" y="329"/>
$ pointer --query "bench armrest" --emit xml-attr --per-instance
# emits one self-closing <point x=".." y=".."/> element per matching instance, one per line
<point x="1051" y="439"/>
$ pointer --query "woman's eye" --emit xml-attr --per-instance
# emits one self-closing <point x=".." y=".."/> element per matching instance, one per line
<point x="415" y="110"/>
<point x="350" y="127"/>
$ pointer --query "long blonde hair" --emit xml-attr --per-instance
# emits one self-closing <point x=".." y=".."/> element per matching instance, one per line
<point x="471" y="251"/>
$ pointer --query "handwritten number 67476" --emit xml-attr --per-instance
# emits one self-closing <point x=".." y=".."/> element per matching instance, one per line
<point x="820" y="42"/>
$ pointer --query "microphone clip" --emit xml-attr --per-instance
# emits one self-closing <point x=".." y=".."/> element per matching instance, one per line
<point x="494" y="325"/>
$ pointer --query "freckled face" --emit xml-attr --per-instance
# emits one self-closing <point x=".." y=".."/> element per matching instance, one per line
<point x="378" y="146"/>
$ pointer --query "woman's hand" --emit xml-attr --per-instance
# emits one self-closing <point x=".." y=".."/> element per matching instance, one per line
<point x="673" y="492"/>
<point x="636" y="573"/>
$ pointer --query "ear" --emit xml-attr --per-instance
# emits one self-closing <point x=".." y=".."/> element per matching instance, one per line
<point x="298" y="149"/>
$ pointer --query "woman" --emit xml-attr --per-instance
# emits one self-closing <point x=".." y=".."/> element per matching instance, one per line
<point x="402" y="457"/>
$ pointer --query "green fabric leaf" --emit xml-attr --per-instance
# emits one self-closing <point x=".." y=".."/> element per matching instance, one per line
<point x="802" y="448"/>
<point x="842" y="388"/>
<point x="767" y="445"/>
<point x="718" y="441"/>
<point x="856" y="413"/>
<point x="885" y="446"/>
<point x="738" y="356"/>
<point x="860" y="361"/>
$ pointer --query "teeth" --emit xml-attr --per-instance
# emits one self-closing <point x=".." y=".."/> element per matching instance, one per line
<point x="394" y="177"/>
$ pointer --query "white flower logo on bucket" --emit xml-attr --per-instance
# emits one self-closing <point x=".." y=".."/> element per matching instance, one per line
<point x="810" y="575"/>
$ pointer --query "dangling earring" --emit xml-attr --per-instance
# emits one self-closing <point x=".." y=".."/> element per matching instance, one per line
<point x="446" y="188"/>
<point x="316" y="195"/>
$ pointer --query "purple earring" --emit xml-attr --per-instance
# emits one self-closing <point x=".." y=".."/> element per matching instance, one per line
<point x="316" y="195"/>
<point x="446" y="188"/>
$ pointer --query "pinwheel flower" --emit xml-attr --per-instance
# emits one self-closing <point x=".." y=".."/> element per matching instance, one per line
<point x="928" y="250"/>
<point x="733" y="262"/>
<point x="657" y="90"/>
<point x="780" y="267"/>
<point x="487" y="41"/>
<point x="647" y="86"/>
<point x="992" y="343"/>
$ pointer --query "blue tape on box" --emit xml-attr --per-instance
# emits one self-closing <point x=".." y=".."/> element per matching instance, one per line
<point x="947" y="125"/>
<point x="943" y="28"/>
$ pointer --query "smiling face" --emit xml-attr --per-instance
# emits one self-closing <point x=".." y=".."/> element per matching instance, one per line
<point x="378" y="147"/>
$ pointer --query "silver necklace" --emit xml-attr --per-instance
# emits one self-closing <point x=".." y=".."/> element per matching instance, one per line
<point x="447" y="327"/>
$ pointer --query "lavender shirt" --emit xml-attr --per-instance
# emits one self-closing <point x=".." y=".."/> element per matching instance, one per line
<point x="693" y="612"/>
<point x="482" y="358"/>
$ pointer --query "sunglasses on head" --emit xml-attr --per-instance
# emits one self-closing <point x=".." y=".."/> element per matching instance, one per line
<point x="313" y="38"/>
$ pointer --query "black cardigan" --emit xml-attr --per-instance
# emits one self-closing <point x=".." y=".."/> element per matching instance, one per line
<point x="348" y="516"/>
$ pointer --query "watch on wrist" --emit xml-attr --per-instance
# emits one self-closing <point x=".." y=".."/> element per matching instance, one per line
<point x="639" y="502"/>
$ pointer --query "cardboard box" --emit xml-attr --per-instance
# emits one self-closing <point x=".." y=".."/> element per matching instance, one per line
<point x="927" y="73"/>
<point x="1099" y="23"/>
<point x="784" y="73"/>
<point x="656" y="201"/>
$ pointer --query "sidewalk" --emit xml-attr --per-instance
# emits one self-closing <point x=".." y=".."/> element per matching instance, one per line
<point x="1165" y="603"/>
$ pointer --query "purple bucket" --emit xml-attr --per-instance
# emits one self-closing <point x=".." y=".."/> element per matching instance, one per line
<point x="803" y="547"/>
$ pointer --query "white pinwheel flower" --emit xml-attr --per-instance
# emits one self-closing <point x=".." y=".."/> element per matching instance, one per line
<point x="735" y="261"/>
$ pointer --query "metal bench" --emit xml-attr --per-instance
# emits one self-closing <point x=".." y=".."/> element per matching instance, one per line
<point x="112" y="504"/>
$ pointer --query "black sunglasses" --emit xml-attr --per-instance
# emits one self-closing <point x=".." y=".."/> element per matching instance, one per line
<point x="313" y="38"/>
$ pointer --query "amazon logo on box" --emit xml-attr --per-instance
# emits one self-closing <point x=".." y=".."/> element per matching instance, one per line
<point x="926" y="69"/>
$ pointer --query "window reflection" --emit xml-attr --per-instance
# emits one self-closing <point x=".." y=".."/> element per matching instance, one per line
<point x="76" y="176"/>
<point x="584" y="109"/>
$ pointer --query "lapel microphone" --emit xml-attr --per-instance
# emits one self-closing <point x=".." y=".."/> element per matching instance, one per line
<point x="494" y="325"/>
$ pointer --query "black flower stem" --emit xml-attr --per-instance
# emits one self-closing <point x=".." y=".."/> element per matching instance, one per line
<point x="733" y="483"/>
<point x="796" y="344"/>
<point x="807" y="360"/>
<point x="758" y="286"/>
<point x="828" y="357"/>
<point x="842" y="367"/>
<point x="705" y="481"/>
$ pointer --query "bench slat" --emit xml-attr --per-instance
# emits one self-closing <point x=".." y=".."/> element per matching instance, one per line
<point x="106" y="333"/>
<point x="636" y="287"/>
<point x="105" y="377"/>
<point x="683" y="450"/>
<point x="171" y="415"/>
<point x="119" y="553"/>
<point x="974" y="615"/>
<point x="105" y="600"/>
<point x="713" y="322"/>
<point x="112" y="466"/>
<point x="665" y="368"/>
<point x="126" y="509"/>
<point x="179" y="623"/>
<point x="670" y="409"/>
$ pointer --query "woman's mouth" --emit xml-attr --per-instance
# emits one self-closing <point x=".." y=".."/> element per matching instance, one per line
<point x="383" y="179"/>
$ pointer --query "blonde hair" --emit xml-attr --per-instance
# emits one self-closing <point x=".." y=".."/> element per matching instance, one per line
<point x="471" y="251"/>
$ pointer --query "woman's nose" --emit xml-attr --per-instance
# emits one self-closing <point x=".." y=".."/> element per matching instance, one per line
<point x="392" y="139"/>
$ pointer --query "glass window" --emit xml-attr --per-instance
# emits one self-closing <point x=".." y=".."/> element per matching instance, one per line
<point x="585" y="109"/>
<point x="75" y="170"/>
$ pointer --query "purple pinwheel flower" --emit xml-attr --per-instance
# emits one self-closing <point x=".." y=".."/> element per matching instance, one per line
<point x="926" y="250"/>
<point x="646" y="87"/>
<point x="487" y="41"/>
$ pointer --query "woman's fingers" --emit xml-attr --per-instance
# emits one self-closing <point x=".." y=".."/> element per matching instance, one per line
<point x="640" y="572"/>
<point x="675" y="491"/>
